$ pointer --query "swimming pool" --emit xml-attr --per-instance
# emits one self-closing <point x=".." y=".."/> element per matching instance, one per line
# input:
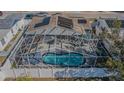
<point x="64" y="59"/>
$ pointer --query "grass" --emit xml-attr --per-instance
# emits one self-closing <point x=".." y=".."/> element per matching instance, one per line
<point x="2" y="58"/>
<point x="7" y="47"/>
<point x="13" y="39"/>
<point x="14" y="65"/>
<point x="25" y="78"/>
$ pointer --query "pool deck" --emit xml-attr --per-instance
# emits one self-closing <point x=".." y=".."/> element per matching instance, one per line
<point x="49" y="72"/>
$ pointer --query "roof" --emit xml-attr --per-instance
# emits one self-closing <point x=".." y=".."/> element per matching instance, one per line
<point x="9" y="21"/>
<point x="45" y="21"/>
<point x="53" y="23"/>
<point x="100" y="23"/>
<point x="3" y="33"/>
<point x="59" y="31"/>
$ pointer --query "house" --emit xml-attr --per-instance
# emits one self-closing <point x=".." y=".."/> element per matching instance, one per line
<point x="100" y="25"/>
<point x="9" y="26"/>
<point x="107" y="25"/>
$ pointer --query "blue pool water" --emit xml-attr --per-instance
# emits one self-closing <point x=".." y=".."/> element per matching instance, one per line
<point x="64" y="59"/>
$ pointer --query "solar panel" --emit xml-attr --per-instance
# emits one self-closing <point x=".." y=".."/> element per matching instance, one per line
<point x="45" y="21"/>
<point x="65" y="22"/>
<point x="82" y="21"/>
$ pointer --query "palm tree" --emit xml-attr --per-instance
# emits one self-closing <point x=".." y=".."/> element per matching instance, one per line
<point x="111" y="64"/>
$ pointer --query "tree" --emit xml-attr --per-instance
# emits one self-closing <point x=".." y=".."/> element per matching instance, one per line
<point x="122" y="54"/>
<point x="111" y="64"/>
<point x="103" y="35"/>
<point x="116" y="65"/>
<point x="117" y="25"/>
<point x="14" y="65"/>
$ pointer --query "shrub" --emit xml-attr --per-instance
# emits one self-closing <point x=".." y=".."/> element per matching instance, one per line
<point x="24" y="78"/>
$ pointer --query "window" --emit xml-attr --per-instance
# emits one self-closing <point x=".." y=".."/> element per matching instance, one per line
<point x="3" y="41"/>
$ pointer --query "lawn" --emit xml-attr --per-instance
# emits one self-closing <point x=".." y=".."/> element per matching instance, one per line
<point x="7" y="47"/>
<point x="2" y="58"/>
<point x="12" y="40"/>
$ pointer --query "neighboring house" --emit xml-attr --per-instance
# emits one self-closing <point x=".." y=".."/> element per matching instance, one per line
<point x="100" y="25"/>
<point x="9" y="27"/>
<point x="107" y="25"/>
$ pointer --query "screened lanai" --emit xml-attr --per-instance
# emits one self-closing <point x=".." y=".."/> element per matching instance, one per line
<point x="60" y="50"/>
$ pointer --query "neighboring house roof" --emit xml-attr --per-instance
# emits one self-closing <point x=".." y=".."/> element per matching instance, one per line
<point x="102" y="23"/>
<point x="9" y="21"/>
<point x="3" y="33"/>
<point x="94" y="24"/>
